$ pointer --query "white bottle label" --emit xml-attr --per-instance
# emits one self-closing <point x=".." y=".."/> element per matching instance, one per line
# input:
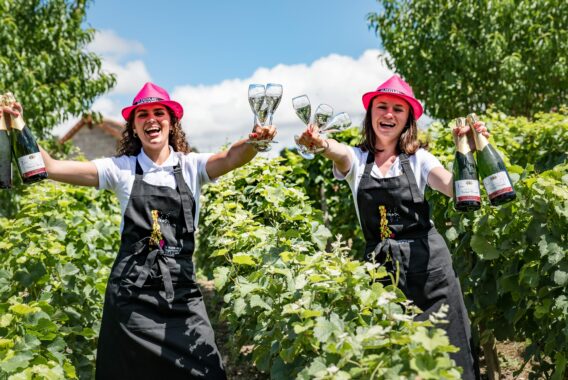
<point x="467" y="190"/>
<point x="31" y="164"/>
<point x="497" y="184"/>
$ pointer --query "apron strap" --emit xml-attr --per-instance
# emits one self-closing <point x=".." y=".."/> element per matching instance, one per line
<point x="138" y="175"/>
<point x="414" y="190"/>
<point x="187" y="202"/>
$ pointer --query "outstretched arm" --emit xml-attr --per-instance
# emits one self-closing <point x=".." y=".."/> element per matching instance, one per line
<point x="73" y="172"/>
<point x="238" y="154"/>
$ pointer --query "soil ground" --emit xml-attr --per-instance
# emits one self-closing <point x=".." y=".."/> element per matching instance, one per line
<point x="239" y="365"/>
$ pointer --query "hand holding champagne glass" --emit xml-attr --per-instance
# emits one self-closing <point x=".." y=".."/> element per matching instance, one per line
<point x="303" y="109"/>
<point x="324" y="123"/>
<point x="338" y="123"/>
<point x="263" y="102"/>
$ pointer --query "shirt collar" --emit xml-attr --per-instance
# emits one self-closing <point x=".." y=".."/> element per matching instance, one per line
<point x="148" y="165"/>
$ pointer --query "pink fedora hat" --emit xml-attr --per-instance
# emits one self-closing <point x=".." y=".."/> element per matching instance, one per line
<point x="151" y="93"/>
<point x="397" y="87"/>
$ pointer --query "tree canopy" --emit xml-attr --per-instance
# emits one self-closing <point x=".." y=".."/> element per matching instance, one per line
<point x="464" y="55"/>
<point x="44" y="62"/>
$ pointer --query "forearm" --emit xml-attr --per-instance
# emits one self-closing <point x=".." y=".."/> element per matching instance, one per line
<point x="236" y="156"/>
<point x="72" y="172"/>
<point x="240" y="153"/>
<point x="338" y="153"/>
<point x="441" y="180"/>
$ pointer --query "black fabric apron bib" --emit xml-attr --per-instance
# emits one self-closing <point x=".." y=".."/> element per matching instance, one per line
<point x="426" y="274"/>
<point x="154" y="323"/>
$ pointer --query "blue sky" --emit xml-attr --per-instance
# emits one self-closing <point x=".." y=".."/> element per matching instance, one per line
<point x="206" y="53"/>
<point x="209" y="41"/>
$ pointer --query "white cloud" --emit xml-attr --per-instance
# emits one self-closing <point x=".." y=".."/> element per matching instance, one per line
<point x="220" y="113"/>
<point x="108" y="44"/>
<point x="129" y="76"/>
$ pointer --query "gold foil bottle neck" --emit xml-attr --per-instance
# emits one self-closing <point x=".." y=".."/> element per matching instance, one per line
<point x="471" y="119"/>
<point x="16" y="122"/>
<point x="9" y="99"/>
<point x="462" y="144"/>
<point x="480" y="140"/>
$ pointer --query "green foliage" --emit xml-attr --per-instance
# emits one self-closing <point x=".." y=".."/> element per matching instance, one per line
<point x="464" y="55"/>
<point x="513" y="259"/>
<point x="55" y="257"/>
<point x="331" y="196"/>
<point x="308" y="313"/>
<point x="43" y="60"/>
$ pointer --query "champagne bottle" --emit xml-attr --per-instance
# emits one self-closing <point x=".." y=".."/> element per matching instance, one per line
<point x="491" y="168"/>
<point x="5" y="153"/>
<point x="467" y="196"/>
<point x="25" y="149"/>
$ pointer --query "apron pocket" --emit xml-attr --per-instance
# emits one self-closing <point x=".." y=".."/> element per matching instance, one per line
<point x="426" y="289"/>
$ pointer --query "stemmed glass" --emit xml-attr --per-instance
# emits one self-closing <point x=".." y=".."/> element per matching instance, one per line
<point x="338" y="123"/>
<point x="303" y="109"/>
<point x="263" y="102"/>
<point x="256" y="97"/>
<point x="273" y="97"/>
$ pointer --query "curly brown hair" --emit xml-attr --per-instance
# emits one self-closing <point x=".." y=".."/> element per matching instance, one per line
<point x="130" y="144"/>
<point x="408" y="141"/>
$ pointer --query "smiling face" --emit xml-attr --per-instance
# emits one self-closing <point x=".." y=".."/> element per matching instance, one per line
<point x="152" y="123"/>
<point x="389" y="115"/>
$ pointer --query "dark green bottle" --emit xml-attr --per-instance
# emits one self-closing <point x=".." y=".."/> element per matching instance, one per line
<point x="467" y="196"/>
<point x="5" y="153"/>
<point x="25" y="149"/>
<point x="491" y="168"/>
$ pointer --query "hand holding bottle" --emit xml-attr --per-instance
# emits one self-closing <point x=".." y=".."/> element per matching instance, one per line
<point x="466" y="129"/>
<point x="491" y="167"/>
<point x="24" y="146"/>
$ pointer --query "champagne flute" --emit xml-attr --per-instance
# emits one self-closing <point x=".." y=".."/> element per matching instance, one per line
<point x="271" y="102"/>
<point x="303" y="109"/>
<point x="273" y="97"/>
<point x="259" y="106"/>
<point x="324" y="112"/>
<point x="256" y="97"/>
<point x="338" y="123"/>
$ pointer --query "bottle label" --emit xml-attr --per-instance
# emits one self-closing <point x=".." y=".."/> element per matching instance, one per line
<point x="497" y="184"/>
<point x="31" y="165"/>
<point x="467" y="190"/>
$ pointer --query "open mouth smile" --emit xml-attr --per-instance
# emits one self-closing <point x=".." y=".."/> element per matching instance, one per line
<point x="387" y="125"/>
<point x="153" y="131"/>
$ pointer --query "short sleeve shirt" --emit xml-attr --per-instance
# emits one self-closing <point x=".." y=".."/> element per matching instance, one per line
<point x="118" y="173"/>
<point x="421" y="162"/>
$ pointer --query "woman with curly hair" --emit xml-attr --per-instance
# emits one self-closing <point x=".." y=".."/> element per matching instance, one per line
<point x="154" y="320"/>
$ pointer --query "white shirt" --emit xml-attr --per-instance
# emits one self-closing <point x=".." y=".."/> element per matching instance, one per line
<point x="422" y="162"/>
<point x="118" y="173"/>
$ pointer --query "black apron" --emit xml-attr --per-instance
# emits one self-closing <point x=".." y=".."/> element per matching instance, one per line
<point x="154" y="323"/>
<point x="426" y="274"/>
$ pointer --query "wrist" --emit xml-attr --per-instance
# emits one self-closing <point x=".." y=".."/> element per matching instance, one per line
<point x="325" y="145"/>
